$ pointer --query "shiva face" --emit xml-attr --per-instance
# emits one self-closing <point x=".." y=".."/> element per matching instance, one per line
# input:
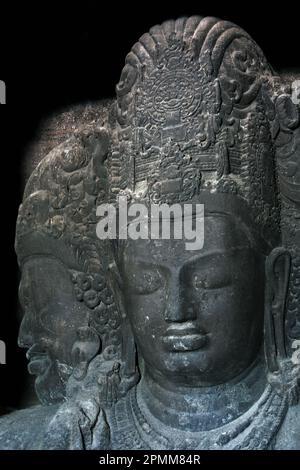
<point x="197" y="316"/>
<point x="52" y="317"/>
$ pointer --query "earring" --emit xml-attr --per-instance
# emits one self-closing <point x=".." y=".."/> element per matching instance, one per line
<point x="84" y="350"/>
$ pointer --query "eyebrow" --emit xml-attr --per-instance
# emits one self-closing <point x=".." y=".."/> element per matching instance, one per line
<point x="208" y="254"/>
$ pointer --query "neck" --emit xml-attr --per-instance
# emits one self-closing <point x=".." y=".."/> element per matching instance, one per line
<point x="199" y="408"/>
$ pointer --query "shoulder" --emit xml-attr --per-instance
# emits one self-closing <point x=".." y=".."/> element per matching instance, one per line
<point x="288" y="437"/>
<point x="22" y="429"/>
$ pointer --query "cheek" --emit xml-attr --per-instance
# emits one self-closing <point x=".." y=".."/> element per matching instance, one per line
<point x="235" y="320"/>
<point x="58" y="331"/>
<point x="146" y="314"/>
<point x="227" y="311"/>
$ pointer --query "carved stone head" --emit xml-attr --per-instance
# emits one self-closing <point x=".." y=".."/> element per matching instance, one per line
<point x="142" y="334"/>
<point x="195" y="112"/>
<point x="63" y="288"/>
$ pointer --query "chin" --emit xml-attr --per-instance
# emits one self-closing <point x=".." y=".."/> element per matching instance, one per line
<point x="188" y="365"/>
<point x="49" y="387"/>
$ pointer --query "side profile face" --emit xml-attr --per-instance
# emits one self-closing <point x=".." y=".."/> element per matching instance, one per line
<point x="52" y="316"/>
<point x="197" y="316"/>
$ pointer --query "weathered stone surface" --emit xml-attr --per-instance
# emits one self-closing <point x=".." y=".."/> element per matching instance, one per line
<point x="60" y="126"/>
<point x="143" y="344"/>
<point x="21" y="430"/>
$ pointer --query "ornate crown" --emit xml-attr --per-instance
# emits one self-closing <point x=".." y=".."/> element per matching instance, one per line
<point x="191" y="116"/>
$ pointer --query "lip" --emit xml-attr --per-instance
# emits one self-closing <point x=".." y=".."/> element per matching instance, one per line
<point x="184" y="337"/>
<point x="185" y="342"/>
<point x="38" y="360"/>
<point x="37" y="366"/>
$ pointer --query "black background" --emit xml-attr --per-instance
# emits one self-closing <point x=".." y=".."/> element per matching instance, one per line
<point x="54" y="54"/>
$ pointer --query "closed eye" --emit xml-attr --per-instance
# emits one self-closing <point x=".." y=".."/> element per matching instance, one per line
<point x="212" y="280"/>
<point x="144" y="281"/>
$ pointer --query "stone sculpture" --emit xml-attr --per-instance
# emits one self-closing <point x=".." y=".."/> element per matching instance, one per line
<point x="168" y="348"/>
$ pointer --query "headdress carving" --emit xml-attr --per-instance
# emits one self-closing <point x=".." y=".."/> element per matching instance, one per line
<point x="191" y="118"/>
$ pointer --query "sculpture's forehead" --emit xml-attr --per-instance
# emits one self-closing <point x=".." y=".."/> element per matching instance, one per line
<point x="42" y="273"/>
<point x="221" y="235"/>
<point x="41" y="263"/>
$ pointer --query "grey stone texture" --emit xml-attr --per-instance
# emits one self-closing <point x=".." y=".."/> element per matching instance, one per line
<point x="141" y="344"/>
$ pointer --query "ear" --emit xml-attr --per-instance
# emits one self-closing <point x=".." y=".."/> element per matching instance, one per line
<point x="278" y="266"/>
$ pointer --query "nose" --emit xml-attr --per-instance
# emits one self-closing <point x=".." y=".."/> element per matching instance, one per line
<point x="178" y="308"/>
<point x="25" y="338"/>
